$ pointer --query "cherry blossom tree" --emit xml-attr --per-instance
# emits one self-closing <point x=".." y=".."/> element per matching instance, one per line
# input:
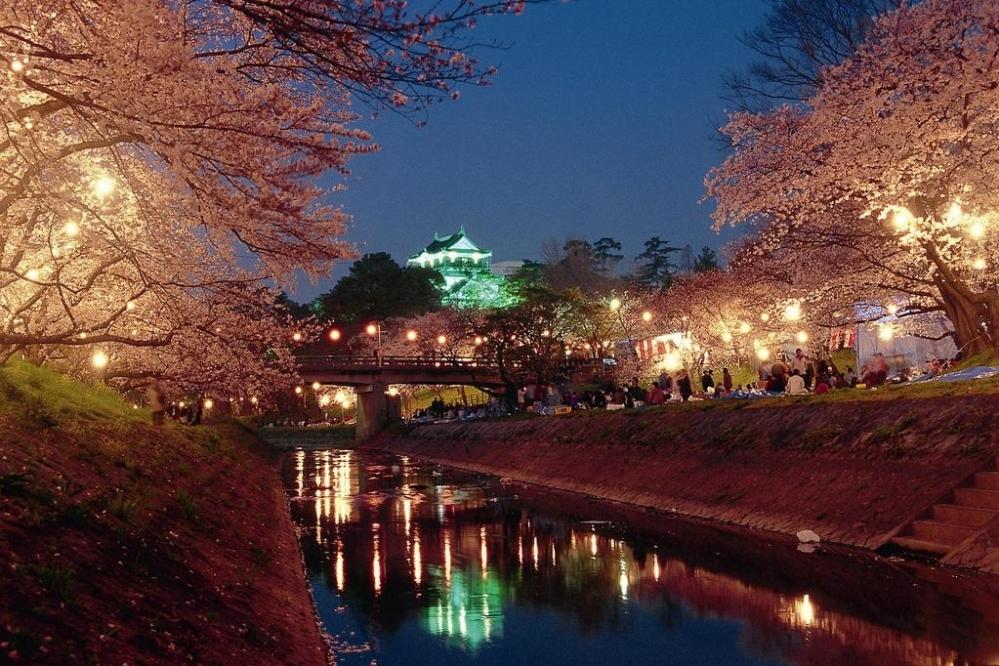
<point x="160" y="165"/>
<point x="879" y="189"/>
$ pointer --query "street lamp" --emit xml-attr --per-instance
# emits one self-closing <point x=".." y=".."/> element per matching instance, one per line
<point x="374" y="329"/>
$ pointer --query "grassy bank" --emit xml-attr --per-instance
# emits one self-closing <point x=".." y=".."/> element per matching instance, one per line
<point x="127" y="543"/>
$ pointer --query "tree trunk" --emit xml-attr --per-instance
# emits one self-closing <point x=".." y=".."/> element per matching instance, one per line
<point x="967" y="317"/>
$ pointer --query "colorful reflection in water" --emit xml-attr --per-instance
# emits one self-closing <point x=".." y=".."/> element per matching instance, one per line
<point x="415" y="564"/>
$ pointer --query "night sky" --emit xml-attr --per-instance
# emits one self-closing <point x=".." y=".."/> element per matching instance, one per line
<point x="601" y="121"/>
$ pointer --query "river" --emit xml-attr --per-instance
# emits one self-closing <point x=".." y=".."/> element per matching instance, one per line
<point x="413" y="563"/>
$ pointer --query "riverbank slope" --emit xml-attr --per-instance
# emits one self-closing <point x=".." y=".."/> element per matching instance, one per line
<point x="852" y="471"/>
<point x="126" y="543"/>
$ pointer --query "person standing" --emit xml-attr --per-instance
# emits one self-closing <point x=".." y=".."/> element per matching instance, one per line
<point x="726" y="380"/>
<point x="707" y="380"/>
<point x="686" y="390"/>
<point x="157" y="403"/>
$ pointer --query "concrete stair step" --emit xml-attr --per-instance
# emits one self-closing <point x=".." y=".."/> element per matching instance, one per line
<point x="920" y="546"/>
<point x="986" y="480"/>
<point x="977" y="497"/>
<point x="963" y="515"/>
<point x="944" y="533"/>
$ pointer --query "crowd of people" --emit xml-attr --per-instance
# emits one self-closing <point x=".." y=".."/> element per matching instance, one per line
<point x="797" y="374"/>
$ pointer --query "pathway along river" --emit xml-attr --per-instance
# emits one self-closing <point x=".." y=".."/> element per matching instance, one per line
<point x="412" y="563"/>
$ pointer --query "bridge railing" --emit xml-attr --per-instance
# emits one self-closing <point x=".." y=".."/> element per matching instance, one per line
<point x="352" y="362"/>
<point x="373" y="363"/>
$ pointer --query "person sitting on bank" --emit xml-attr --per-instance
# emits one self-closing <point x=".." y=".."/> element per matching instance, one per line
<point x="796" y="383"/>
<point x="656" y="396"/>
<point x="776" y="383"/>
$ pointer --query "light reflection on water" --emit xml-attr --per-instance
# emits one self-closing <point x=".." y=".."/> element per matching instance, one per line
<point x="411" y="563"/>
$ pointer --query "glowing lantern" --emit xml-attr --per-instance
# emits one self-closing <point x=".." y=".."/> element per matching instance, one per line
<point x="99" y="360"/>
<point x="411" y="335"/>
<point x="615" y="304"/>
<point x="392" y="391"/>
<point x="441" y="339"/>
<point x="340" y="397"/>
<point x="324" y="401"/>
<point x="793" y="312"/>
<point x="726" y="337"/>
<point x="763" y="354"/>
<point x="672" y="361"/>
<point x="103" y="186"/>
<point x="209" y="403"/>
<point x="478" y="340"/>
<point x="979" y="264"/>
<point x="892" y="309"/>
<point x="802" y="337"/>
<point x="254" y="400"/>
<point x="17" y="66"/>
<point x="296" y="336"/>
<point x="32" y="274"/>
<point x="298" y="390"/>
<point x="71" y="228"/>
<point x="886" y="332"/>
<point x="977" y="229"/>
<point x="371" y="329"/>
<point x="954" y="213"/>
<point x="901" y="218"/>
<point x="764" y="317"/>
<point x="646" y="316"/>
<point x="744" y="328"/>
<point x="130" y="305"/>
<point x="334" y="334"/>
<point x="316" y="386"/>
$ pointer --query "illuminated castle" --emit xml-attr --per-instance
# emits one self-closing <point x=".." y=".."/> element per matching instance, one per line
<point x="469" y="281"/>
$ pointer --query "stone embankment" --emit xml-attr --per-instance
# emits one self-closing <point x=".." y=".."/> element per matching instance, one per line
<point x="854" y="472"/>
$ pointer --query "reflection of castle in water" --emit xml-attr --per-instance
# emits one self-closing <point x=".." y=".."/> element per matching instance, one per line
<point x="397" y="540"/>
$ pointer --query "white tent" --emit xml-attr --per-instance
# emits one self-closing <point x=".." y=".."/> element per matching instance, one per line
<point x="901" y="351"/>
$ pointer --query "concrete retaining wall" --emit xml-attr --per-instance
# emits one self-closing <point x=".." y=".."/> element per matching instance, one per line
<point x="851" y="471"/>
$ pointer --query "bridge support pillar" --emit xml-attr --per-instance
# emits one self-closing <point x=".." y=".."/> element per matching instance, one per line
<point x="372" y="410"/>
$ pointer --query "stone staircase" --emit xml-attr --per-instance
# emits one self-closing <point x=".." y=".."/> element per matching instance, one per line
<point x="959" y="515"/>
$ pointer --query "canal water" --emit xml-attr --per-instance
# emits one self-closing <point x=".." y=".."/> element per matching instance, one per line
<point x="412" y="563"/>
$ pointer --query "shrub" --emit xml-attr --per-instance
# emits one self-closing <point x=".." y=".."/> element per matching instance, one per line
<point x="188" y="505"/>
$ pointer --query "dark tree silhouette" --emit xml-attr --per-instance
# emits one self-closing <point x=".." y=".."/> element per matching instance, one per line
<point x="706" y="261"/>
<point x="606" y="254"/>
<point x="797" y="40"/>
<point x="655" y="265"/>
<point x="378" y="288"/>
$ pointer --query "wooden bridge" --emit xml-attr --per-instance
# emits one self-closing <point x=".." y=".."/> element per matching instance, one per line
<point x="371" y="376"/>
<point x="366" y="370"/>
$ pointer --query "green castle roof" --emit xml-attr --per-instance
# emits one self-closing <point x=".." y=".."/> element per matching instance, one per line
<point x="445" y="243"/>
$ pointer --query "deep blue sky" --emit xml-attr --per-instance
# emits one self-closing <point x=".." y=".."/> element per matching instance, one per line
<point x="599" y="123"/>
